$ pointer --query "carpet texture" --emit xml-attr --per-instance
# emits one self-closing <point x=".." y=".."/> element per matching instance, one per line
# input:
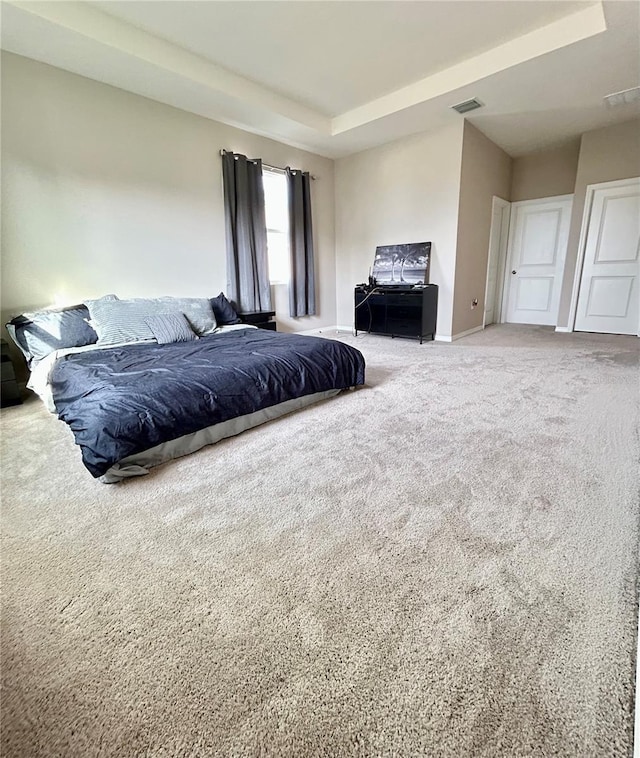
<point x="442" y="563"/>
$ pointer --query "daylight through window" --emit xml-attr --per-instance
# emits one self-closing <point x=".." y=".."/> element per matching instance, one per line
<point x="276" y="205"/>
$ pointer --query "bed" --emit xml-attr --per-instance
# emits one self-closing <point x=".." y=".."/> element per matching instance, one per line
<point x="137" y="402"/>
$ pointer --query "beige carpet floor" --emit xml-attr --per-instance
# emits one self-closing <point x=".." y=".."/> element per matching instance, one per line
<point x="442" y="563"/>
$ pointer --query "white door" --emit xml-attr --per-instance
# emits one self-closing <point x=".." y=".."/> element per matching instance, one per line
<point x="608" y="298"/>
<point x="498" y="238"/>
<point x="537" y="251"/>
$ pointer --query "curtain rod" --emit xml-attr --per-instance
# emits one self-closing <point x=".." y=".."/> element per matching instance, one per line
<point x="267" y="165"/>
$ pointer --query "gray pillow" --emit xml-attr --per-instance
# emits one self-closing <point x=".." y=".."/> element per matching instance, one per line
<point x="126" y="320"/>
<point x="171" y="327"/>
<point x="38" y="334"/>
<point x="198" y="311"/>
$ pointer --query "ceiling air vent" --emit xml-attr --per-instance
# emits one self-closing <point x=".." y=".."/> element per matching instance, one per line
<point x="467" y="105"/>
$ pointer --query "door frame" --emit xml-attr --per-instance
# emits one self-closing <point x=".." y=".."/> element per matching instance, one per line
<point x="507" y="278"/>
<point x="503" y="239"/>
<point x="582" y="244"/>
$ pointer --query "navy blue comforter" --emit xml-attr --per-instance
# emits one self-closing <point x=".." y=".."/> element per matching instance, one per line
<point x="121" y="401"/>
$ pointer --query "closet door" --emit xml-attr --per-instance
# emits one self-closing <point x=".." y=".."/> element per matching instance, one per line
<point x="537" y="249"/>
<point x="608" y="298"/>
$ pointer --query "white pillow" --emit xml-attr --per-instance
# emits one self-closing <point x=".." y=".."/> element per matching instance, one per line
<point x="125" y="320"/>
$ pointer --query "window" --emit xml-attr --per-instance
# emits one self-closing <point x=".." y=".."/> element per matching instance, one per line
<point x="276" y="205"/>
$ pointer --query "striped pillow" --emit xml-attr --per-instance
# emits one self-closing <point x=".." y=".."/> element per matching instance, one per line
<point x="118" y="321"/>
<point x="171" y="327"/>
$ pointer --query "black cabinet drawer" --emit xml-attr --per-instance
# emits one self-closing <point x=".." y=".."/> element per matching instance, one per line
<point x="6" y="371"/>
<point x="405" y="300"/>
<point x="371" y="316"/>
<point x="403" y="327"/>
<point x="10" y="390"/>
<point x="405" y="313"/>
<point x="10" y="394"/>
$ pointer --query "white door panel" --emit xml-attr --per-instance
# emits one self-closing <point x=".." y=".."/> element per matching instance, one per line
<point x="537" y="251"/>
<point x="539" y="236"/>
<point x="534" y="293"/>
<point x="608" y="298"/>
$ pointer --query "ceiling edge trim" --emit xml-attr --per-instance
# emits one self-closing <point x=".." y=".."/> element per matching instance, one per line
<point x="566" y="31"/>
<point x="107" y="30"/>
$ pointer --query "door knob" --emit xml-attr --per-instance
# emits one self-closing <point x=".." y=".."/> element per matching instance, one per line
<point x="513" y="272"/>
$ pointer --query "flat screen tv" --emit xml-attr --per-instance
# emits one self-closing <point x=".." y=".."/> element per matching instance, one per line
<point x="405" y="264"/>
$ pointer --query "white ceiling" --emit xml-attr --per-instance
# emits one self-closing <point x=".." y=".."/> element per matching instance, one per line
<point x="338" y="77"/>
<point x="336" y="56"/>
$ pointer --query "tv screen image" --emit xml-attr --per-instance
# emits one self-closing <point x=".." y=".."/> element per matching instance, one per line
<point x="402" y="264"/>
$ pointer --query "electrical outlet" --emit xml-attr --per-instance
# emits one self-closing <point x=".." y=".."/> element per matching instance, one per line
<point x="474" y="303"/>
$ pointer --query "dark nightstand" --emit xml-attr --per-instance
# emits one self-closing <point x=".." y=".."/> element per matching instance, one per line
<point x="261" y="319"/>
<point x="10" y="390"/>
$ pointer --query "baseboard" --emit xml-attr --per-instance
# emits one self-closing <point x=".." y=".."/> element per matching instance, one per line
<point x="337" y="328"/>
<point x="459" y="335"/>
<point x="327" y="330"/>
<point x="563" y="329"/>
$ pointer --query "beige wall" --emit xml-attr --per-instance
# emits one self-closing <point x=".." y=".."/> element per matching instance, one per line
<point x="545" y="173"/>
<point x="485" y="172"/>
<point x="406" y="191"/>
<point x="605" y="155"/>
<point x="105" y="191"/>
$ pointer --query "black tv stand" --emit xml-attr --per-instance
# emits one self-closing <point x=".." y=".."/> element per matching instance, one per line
<point x="397" y="312"/>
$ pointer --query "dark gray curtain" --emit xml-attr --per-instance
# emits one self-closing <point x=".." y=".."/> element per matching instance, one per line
<point x="302" y="295"/>
<point x="247" y="265"/>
